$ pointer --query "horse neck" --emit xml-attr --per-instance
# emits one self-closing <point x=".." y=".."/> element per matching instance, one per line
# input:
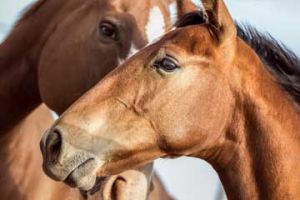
<point x="19" y="56"/>
<point x="266" y="152"/>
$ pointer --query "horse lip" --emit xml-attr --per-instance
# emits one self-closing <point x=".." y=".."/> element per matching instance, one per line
<point x="76" y="167"/>
<point x="69" y="179"/>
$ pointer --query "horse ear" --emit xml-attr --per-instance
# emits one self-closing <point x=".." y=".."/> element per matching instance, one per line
<point x="219" y="17"/>
<point x="186" y="6"/>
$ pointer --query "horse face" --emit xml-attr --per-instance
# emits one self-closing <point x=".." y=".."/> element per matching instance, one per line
<point x="173" y="98"/>
<point x="90" y="39"/>
<point x="141" y="111"/>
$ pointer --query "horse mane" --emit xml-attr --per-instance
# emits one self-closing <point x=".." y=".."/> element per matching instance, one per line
<point x="277" y="58"/>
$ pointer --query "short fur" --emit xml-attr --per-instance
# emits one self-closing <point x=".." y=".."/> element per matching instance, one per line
<point x="279" y="60"/>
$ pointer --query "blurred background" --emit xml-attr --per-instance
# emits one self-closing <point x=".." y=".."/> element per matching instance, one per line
<point x="188" y="178"/>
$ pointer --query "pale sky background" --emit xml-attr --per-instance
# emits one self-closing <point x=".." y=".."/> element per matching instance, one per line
<point x="186" y="178"/>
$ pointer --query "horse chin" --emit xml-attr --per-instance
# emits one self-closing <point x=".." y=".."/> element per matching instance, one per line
<point x="84" y="176"/>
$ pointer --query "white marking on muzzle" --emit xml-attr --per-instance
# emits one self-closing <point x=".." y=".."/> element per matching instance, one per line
<point x="156" y="24"/>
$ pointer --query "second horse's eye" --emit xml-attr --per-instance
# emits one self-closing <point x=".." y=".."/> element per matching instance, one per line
<point x="108" y="30"/>
<point x="167" y="64"/>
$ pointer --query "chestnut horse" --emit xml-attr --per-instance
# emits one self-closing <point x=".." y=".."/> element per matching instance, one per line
<point x="85" y="40"/>
<point x="200" y="91"/>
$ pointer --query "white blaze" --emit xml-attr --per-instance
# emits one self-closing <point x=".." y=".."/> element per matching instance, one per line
<point x="156" y="24"/>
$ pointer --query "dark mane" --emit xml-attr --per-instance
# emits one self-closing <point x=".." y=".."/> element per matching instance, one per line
<point x="277" y="58"/>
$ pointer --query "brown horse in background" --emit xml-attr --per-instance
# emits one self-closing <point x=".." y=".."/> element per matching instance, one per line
<point x="85" y="40"/>
<point x="200" y="91"/>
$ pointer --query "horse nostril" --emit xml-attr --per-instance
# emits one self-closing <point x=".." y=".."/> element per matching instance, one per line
<point x="53" y="146"/>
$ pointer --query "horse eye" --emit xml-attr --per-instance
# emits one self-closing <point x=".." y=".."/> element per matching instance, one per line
<point x="166" y="64"/>
<point x="108" y="30"/>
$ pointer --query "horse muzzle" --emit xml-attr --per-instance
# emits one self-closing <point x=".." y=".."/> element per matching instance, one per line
<point x="64" y="162"/>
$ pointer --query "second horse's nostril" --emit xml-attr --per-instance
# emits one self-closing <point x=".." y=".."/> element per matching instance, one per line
<point x="53" y="146"/>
